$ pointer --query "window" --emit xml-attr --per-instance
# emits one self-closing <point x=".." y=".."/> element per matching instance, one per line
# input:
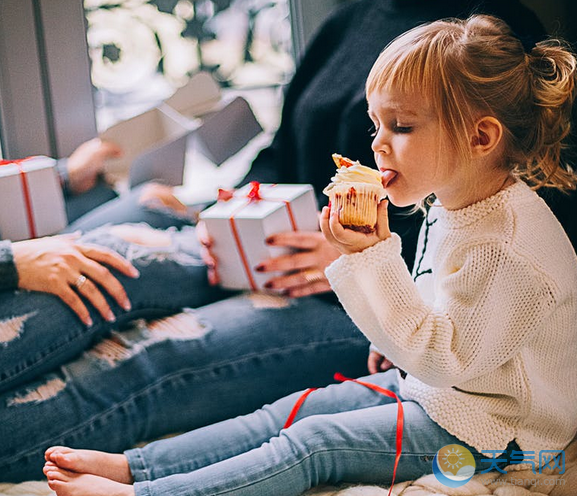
<point x="47" y="104"/>
<point x="142" y="50"/>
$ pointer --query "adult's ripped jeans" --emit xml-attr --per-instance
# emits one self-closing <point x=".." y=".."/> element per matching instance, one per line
<point x="111" y="386"/>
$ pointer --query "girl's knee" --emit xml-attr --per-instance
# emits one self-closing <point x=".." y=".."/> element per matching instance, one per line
<point x="314" y="434"/>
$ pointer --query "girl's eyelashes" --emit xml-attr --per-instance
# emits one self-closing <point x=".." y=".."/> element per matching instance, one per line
<point x="401" y="129"/>
<point x="395" y="127"/>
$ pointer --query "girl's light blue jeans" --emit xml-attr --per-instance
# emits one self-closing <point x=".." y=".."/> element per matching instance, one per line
<point x="343" y="433"/>
<point x="112" y="385"/>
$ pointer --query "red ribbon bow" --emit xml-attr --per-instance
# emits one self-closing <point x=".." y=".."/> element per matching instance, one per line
<point x="252" y="195"/>
<point x="224" y="194"/>
<point x="25" y="192"/>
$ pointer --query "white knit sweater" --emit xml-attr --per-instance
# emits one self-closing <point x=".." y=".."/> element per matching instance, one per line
<point x="488" y="330"/>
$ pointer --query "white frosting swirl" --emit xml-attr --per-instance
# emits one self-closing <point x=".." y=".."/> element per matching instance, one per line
<point x="356" y="173"/>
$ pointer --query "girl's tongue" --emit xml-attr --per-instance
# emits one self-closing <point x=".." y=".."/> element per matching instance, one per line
<point x="387" y="176"/>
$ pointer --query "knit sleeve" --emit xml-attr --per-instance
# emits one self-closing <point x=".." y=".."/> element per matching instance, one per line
<point x="488" y="302"/>
<point x="8" y="273"/>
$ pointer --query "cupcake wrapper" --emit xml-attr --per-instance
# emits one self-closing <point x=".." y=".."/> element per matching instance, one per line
<point x="357" y="205"/>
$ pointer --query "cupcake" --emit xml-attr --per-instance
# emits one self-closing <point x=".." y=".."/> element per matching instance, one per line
<point x="355" y="191"/>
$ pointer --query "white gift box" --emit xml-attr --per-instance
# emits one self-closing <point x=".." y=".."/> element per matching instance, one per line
<point x="155" y="142"/>
<point x="32" y="203"/>
<point x="240" y="226"/>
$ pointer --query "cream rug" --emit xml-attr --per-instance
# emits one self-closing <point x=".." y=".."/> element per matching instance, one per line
<point x="514" y="483"/>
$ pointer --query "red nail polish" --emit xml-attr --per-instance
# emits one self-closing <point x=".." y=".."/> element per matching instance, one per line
<point x="259" y="268"/>
<point x="329" y="205"/>
<point x="269" y="240"/>
<point x="268" y="285"/>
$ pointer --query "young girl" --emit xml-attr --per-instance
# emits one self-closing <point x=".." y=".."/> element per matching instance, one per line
<point x="484" y="327"/>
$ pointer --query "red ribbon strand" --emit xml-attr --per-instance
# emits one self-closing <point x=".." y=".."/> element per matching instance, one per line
<point x="386" y="392"/>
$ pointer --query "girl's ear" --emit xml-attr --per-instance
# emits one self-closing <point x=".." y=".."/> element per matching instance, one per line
<point x="486" y="136"/>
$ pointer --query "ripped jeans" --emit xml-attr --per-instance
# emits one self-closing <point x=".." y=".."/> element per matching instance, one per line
<point x="111" y="386"/>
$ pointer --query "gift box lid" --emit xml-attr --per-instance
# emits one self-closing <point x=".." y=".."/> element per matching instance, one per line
<point x="240" y="206"/>
<point x="29" y="164"/>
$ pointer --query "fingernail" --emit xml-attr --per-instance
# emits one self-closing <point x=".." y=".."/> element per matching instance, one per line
<point x="126" y="305"/>
<point x="259" y="268"/>
<point x="89" y="322"/>
<point x="110" y="317"/>
<point x="269" y="240"/>
<point x="134" y="273"/>
<point x="213" y="278"/>
<point x="329" y="205"/>
<point x="268" y="285"/>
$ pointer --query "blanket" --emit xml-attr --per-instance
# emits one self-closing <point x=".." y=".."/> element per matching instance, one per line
<point x="514" y="483"/>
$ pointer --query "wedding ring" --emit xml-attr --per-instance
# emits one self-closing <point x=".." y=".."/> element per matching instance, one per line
<point x="80" y="281"/>
<point x="313" y="275"/>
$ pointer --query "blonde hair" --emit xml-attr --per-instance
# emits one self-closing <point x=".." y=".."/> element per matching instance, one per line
<point x="475" y="67"/>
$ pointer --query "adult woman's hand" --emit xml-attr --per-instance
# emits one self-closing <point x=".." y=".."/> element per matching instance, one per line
<point x="206" y="254"/>
<point x="87" y="162"/>
<point x="303" y="270"/>
<point x="61" y="266"/>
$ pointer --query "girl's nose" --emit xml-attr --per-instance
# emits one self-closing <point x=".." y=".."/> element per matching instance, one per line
<point x="380" y="146"/>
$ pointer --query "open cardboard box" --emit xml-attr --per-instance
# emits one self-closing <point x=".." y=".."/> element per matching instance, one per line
<point x="156" y="141"/>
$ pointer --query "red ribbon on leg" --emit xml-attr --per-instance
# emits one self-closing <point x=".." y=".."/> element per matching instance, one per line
<point x="386" y="392"/>
<point x="400" y="417"/>
<point x="297" y="407"/>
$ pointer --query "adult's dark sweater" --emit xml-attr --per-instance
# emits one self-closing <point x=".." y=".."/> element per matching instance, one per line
<point x="325" y="110"/>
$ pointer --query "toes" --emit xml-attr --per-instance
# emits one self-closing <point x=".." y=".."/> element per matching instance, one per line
<point x="48" y="466"/>
<point x="65" y="459"/>
<point x="49" y="452"/>
<point x="55" y="485"/>
<point x="56" y="475"/>
<point x="56" y="449"/>
<point x="60" y="474"/>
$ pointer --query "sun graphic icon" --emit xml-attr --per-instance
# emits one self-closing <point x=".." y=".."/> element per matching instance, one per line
<point x="451" y="460"/>
<point x="454" y="465"/>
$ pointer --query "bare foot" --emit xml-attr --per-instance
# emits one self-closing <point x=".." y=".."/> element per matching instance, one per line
<point x="108" y="465"/>
<point x="66" y="483"/>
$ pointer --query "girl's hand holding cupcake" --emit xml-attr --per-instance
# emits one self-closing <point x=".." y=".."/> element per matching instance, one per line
<point x="356" y="217"/>
<point x="349" y="241"/>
